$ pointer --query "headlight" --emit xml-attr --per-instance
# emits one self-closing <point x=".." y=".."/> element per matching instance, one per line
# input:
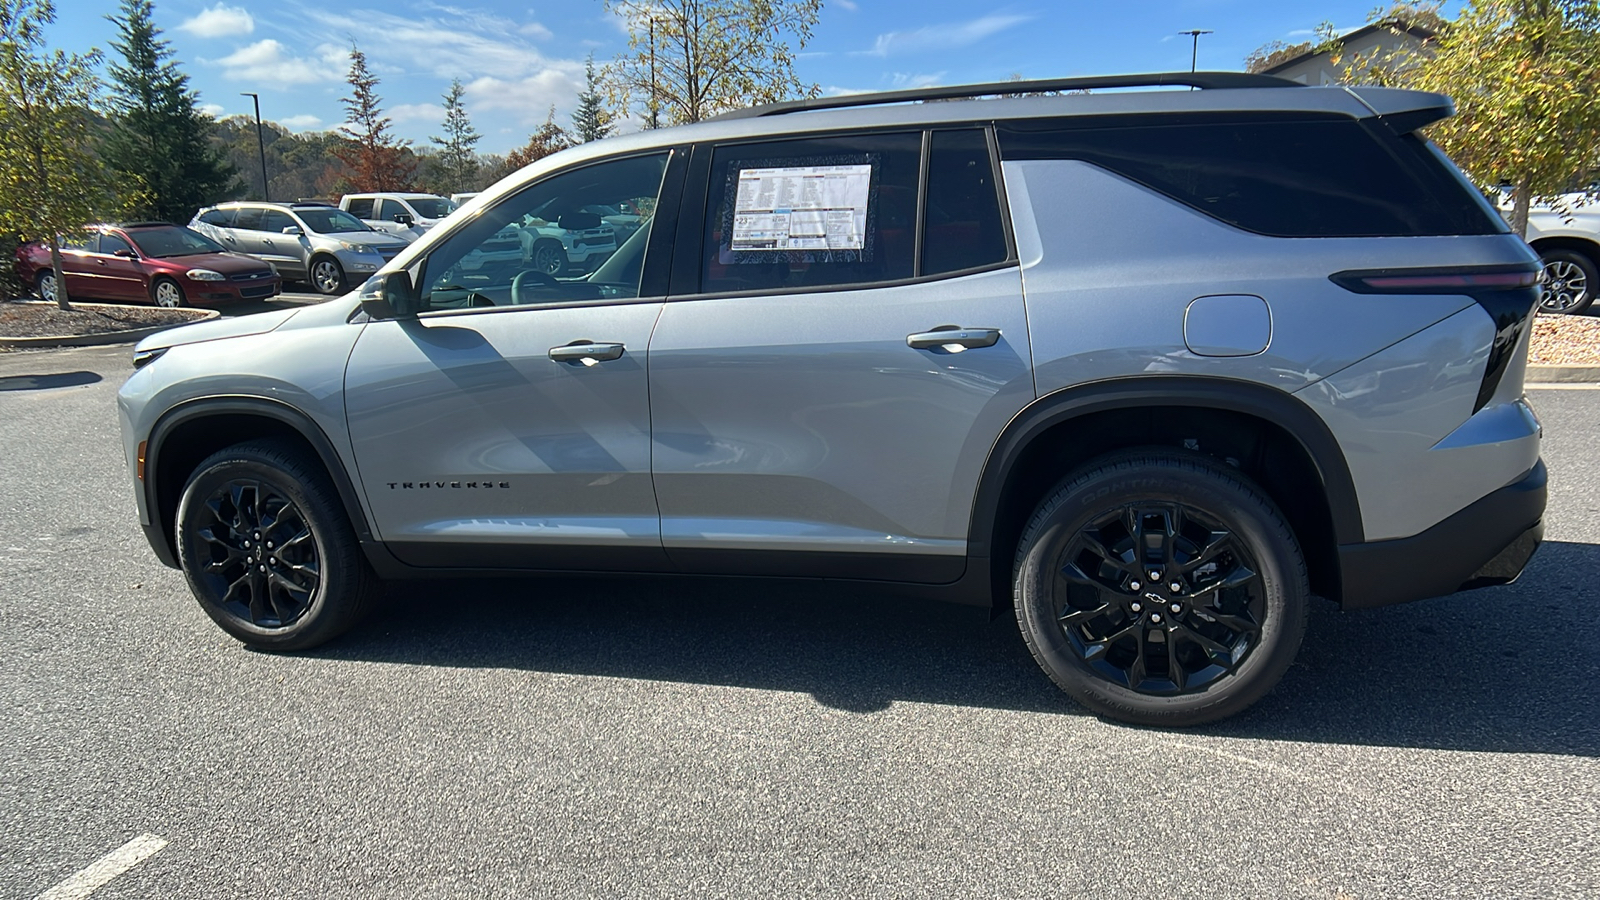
<point x="205" y="275"/>
<point x="357" y="248"/>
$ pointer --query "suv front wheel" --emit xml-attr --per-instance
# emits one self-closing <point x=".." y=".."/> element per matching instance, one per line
<point x="267" y="550"/>
<point x="1161" y="588"/>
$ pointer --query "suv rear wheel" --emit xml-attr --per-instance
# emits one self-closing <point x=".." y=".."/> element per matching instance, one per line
<point x="1161" y="588"/>
<point x="267" y="549"/>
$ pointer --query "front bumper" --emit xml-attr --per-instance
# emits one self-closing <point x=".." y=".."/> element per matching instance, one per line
<point x="1488" y="543"/>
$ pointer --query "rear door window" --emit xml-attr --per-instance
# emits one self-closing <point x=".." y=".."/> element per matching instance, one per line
<point x="249" y="218"/>
<point x="220" y="217"/>
<point x="361" y="207"/>
<point x="963" y="227"/>
<point x="813" y="212"/>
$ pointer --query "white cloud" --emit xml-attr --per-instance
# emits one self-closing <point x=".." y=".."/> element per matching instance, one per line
<point x="211" y="109"/>
<point x="461" y="44"/>
<point x="268" y="62"/>
<point x="219" y="22"/>
<point x="411" y="112"/>
<point x="847" y="4"/>
<point x="949" y="36"/>
<point x="527" y="100"/>
<point x="536" y="31"/>
<point x="906" y="81"/>
<point x="305" y="122"/>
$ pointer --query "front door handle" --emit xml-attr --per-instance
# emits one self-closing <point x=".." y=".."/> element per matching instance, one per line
<point x="586" y="352"/>
<point x="953" y="338"/>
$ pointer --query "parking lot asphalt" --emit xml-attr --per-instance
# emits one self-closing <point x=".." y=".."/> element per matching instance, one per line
<point x="696" y="737"/>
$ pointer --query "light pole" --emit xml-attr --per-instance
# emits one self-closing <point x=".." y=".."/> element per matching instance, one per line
<point x="1194" y="54"/>
<point x="261" y="144"/>
<point x="654" y="96"/>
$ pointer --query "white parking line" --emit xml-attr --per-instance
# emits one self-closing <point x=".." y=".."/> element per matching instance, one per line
<point x="90" y="879"/>
<point x="1557" y="386"/>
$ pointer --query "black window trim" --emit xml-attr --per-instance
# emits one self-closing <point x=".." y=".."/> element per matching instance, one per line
<point x="657" y="254"/>
<point x="688" y="258"/>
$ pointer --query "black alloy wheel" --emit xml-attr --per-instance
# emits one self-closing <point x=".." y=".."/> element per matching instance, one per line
<point x="1161" y="588"/>
<point x="264" y="567"/>
<point x="267" y="549"/>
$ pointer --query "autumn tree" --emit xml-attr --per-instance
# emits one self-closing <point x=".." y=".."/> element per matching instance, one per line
<point x="158" y="135"/>
<point x="456" y="161"/>
<point x="591" y="121"/>
<point x="376" y="158"/>
<point x="1524" y="75"/>
<point x="688" y="60"/>
<point x="550" y="138"/>
<point x="1274" y="53"/>
<point x="52" y="182"/>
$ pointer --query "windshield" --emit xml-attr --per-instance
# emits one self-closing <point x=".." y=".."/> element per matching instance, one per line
<point x="174" y="241"/>
<point x="327" y="220"/>
<point x="431" y="207"/>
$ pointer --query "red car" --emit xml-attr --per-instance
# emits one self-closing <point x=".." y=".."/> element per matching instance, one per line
<point x="149" y="262"/>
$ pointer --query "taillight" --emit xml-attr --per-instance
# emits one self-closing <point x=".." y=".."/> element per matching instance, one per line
<point x="1507" y="293"/>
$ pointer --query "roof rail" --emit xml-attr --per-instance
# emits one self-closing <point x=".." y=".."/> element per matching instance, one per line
<point x="142" y="224"/>
<point x="1205" y="80"/>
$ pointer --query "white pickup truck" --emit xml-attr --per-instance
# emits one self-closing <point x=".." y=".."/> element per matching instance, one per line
<point x="404" y="214"/>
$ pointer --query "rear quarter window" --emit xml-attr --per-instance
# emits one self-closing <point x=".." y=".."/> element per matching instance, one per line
<point x="1301" y="175"/>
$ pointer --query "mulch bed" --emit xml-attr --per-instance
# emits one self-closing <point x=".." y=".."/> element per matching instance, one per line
<point x="1565" y="341"/>
<point x="36" y="319"/>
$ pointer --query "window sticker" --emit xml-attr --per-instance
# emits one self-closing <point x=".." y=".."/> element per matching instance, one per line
<point x="801" y="208"/>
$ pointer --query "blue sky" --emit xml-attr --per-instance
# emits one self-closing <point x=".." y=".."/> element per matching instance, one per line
<point x="518" y="58"/>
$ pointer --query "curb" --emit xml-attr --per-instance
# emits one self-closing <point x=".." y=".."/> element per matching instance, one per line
<point x="1563" y="374"/>
<point x="94" y="340"/>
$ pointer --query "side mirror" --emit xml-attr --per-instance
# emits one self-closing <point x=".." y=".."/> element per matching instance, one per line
<point x="293" y="229"/>
<point x="405" y="219"/>
<point x="125" y="254"/>
<point x="389" y="296"/>
<point x="579" y="221"/>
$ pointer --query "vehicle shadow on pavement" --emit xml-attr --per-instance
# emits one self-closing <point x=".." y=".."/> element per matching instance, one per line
<point x="1508" y="669"/>
<point x="46" y="382"/>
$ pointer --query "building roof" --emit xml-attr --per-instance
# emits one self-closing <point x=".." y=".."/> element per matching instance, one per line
<point x="1416" y="31"/>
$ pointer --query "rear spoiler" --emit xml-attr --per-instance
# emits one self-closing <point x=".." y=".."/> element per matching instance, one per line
<point x="1402" y="110"/>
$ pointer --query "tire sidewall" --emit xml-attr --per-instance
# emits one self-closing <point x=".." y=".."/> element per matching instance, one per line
<point x="338" y="271"/>
<point x="216" y="473"/>
<point x="1246" y="512"/>
<point x="1591" y="272"/>
<point x="155" y="293"/>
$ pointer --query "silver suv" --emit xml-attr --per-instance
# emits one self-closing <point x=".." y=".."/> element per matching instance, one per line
<point x="1148" y="369"/>
<point x="308" y="242"/>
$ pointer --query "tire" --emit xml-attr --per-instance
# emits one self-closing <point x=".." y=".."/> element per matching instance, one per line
<point x="45" y="285"/>
<point x="309" y="588"/>
<point x="327" y="276"/>
<point x="168" y="293"/>
<point x="1225" y="559"/>
<point x="549" y="258"/>
<point x="1570" y="281"/>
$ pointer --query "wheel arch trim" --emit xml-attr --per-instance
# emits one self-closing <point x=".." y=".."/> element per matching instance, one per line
<point x="1270" y="404"/>
<point x="261" y="407"/>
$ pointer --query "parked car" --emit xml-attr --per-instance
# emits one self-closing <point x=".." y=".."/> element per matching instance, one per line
<point x="406" y="215"/>
<point x="307" y="242"/>
<point x="1148" y="370"/>
<point x="1567" y="238"/>
<point x="148" y="262"/>
<point x="577" y="240"/>
<point x="460" y="200"/>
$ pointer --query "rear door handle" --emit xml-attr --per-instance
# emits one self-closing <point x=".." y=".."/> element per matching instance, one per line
<point x="949" y="337"/>
<point x="586" y="352"/>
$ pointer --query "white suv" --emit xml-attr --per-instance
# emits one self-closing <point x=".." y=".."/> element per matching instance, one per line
<point x="1566" y="236"/>
<point x="406" y="215"/>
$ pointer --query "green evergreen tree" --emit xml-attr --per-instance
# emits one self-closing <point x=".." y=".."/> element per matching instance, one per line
<point x="457" y="162"/>
<point x="158" y="135"/>
<point x="591" y="121"/>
